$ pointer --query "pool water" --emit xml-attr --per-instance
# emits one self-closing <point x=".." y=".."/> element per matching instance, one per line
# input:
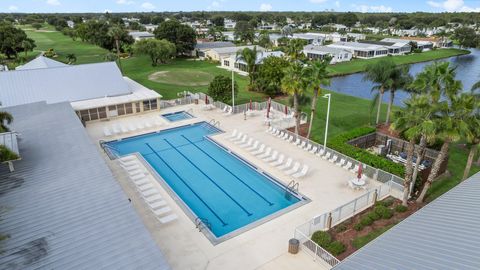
<point x="217" y="186"/>
<point x="177" y="116"/>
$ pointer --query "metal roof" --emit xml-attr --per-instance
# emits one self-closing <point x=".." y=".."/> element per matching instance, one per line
<point x="141" y="34"/>
<point x="323" y="49"/>
<point x="215" y="44"/>
<point x="445" y="234"/>
<point x="356" y="46"/>
<point x="58" y="84"/>
<point x="41" y="62"/>
<point x="63" y="209"/>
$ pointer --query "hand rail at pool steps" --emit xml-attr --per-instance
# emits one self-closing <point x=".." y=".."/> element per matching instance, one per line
<point x="293" y="186"/>
<point x="199" y="221"/>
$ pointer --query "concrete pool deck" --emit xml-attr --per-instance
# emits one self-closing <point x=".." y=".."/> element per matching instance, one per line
<point x="262" y="247"/>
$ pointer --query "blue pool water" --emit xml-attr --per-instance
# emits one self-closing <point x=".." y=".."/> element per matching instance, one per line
<point x="177" y="116"/>
<point x="215" y="184"/>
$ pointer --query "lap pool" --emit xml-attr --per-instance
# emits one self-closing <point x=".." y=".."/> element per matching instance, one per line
<point x="214" y="184"/>
<point x="177" y="116"/>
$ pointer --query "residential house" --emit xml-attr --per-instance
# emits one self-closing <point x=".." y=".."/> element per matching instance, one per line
<point x="140" y="35"/>
<point x="202" y="48"/>
<point x="395" y="47"/>
<point x="314" y="52"/>
<point x="310" y="38"/>
<point x="229" y="24"/>
<point x="362" y="50"/>
<point x="431" y="42"/>
<point x="422" y="44"/>
<point x="70" y="24"/>
<point x="150" y="27"/>
<point x="240" y="66"/>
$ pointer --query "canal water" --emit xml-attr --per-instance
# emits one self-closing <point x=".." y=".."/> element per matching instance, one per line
<point x="468" y="71"/>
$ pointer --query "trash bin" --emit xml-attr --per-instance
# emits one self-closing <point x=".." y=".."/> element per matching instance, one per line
<point x="293" y="245"/>
<point x="196" y="101"/>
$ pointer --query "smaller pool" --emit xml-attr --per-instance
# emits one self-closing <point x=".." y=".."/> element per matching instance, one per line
<point x="177" y="116"/>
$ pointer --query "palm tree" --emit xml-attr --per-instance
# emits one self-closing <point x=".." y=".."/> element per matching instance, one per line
<point x="473" y="141"/>
<point x="293" y="84"/>
<point x="317" y="76"/>
<point x="415" y="121"/>
<point x="72" y="58"/>
<point x="5" y="119"/>
<point x="249" y="56"/>
<point x="380" y="74"/>
<point x="294" y="50"/>
<point x="27" y="46"/>
<point x="399" y="78"/>
<point x="117" y="33"/>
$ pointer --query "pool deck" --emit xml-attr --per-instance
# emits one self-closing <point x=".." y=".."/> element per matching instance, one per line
<point x="262" y="247"/>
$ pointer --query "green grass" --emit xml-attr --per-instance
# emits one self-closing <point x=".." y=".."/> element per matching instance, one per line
<point x="359" y="65"/>
<point x="361" y="241"/>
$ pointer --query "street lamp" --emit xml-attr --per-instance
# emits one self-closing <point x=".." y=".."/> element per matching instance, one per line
<point x="233" y="85"/>
<point x="329" y="96"/>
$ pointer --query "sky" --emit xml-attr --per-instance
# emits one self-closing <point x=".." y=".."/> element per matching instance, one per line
<point x="52" y="6"/>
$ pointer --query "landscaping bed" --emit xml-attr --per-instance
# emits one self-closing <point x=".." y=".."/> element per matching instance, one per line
<point x="352" y="234"/>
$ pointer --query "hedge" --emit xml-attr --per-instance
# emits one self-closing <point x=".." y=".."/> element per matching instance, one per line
<point x="6" y="154"/>
<point x="340" y="144"/>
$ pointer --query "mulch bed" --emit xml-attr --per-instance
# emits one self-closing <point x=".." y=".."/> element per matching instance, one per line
<point x="347" y="236"/>
<point x="303" y="131"/>
<point x="385" y="129"/>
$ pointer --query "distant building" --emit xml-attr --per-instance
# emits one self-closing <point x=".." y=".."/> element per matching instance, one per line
<point x="361" y="50"/>
<point x="70" y="24"/>
<point x="395" y="47"/>
<point x="240" y="66"/>
<point x="423" y="45"/>
<point x="431" y="41"/>
<point x="310" y="38"/>
<point x="229" y="24"/>
<point x="314" y="52"/>
<point x="150" y="27"/>
<point x="137" y="36"/>
<point x="202" y="48"/>
<point x="218" y="54"/>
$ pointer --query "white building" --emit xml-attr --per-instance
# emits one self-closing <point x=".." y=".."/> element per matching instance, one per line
<point x="218" y="54"/>
<point x="70" y="24"/>
<point x="202" y="49"/>
<point x="239" y="66"/>
<point x="229" y="24"/>
<point x="310" y="38"/>
<point x="137" y="36"/>
<point x="150" y="27"/>
<point x="314" y="52"/>
<point x="421" y="44"/>
<point x="361" y="50"/>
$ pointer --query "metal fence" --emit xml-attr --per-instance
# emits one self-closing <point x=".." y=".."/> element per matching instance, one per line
<point x="328" y="220"/>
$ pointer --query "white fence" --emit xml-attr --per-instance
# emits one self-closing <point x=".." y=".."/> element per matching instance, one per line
<point x="328" y="220"/>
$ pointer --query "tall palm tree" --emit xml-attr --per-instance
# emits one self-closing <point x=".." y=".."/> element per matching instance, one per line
<point x="27" y="46"/>
<point x="5" y="119"/>
<point x="72" y="58"/>
<point x="249" y="56"/>
<point x="399" y="78"/>
<point x="473" y="141"/>
<point x="117" y="33"/>
<point x="293" y="84"/>
<point x="295" y="49"/>
<point x="317" y="76"/>
<point x="415" y="121"/>
<point x="380" y="74"/>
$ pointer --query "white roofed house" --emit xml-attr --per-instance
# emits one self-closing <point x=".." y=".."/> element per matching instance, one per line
<point x="423" y="45"/>
<point x="361" y="50"/>
<point x="314" y="52"/>
<point x="202" y="49"/>
<point x="218" y="54"/>
<point x="137" y="35"/>
<point x="240" y="66"/>
<point x="311" y="38"/>
<point x="395" y="47"/>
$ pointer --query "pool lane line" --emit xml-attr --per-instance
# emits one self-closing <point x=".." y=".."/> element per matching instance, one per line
<point x="208" y="177"/>
<point x="243" y="182"/>
<point x="184" y="182"/>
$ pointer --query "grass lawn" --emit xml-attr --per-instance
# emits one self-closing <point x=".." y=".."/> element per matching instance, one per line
<point x="363" y="240"/>
<point x="359" y="65"/>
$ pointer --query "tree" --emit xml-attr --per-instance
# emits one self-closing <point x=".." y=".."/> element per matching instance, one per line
<point x="467" y="37"/>
<point x="399" y="78"/>
<point x="271" y="73"/>
<point x="37" y="25"/>
<point x="287" y="31"/>
<point x="294" y="49"/>
<point x="183" y="36"/>
<point x="317" y="76"/>
<point x="249" y="56"/>
<point x="322" y="19"/>
<point x="27" y="46"/>
<point x="293" y="84"/>
<point x="11" y="39"/>
<point x="5" y="119"/>
<point x="160" y="51"/>
<point x="218" y="21"/>
<point x="221" y="89"/>
<point x="118" y="34"/>
<point x="244" y="31"/>
<point x="348" y="19"/>
<point x="264" y="40"/>
<point x="72" y="58"/>
<point x="473" y="122"/>
<point x="380" y="74"/>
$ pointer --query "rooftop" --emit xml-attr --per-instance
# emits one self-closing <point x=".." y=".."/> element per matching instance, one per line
<point x="59" y="215"/>
<point x="143" y="34"/>
<point x="357" y="45"/>
<point x="41" y="62"/>
<point x="323" y="49"/>
<point x="212" y="45"/>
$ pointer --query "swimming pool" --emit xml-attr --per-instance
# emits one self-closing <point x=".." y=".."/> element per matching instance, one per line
<point x="216" y="185"/>
<point x="177" y="116"/>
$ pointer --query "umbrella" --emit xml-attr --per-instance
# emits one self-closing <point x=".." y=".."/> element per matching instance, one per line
<point x="206" y="99"/>
<point x="250" y="104"/>
<point x="360" y="169"/>
<point x="286" y="110"/>
<point x="268" y="106"/>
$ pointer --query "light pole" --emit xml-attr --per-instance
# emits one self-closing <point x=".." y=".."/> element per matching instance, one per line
<point x="233" y="86"/>
<point x="329" y="96"/>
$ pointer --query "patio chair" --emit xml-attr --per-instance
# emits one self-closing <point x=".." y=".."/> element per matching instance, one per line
<point x="273" y="131"/>
<point x="145" y="187"/>
<point x="355" y="168"/>
<point x="327" y="156"/>
<point x="260" y="150"/>
<point x="341" y="163"/>
<point x="297" y="141"/>
<point x="131" y="127"/>
<point x="308" y="148"/>
<point x="348" y="165"/>
<point x="149" y="193"/>
<point x="167" y="219"/>
<point x="140" y="126"/>
<point x="115" y="129"/>
<point x="280" y="134"/>
<point x="286" y="165"/>
<point x="160" y="211"/>
<point x="128" y="158"/>
<point x="321" y="152"/>
<point x="271" y="157"/>
<point x="266" y="153"/>
<point x="156" y="205"/>
<point x="285" y="137"/>
<point x="269" y="129"/>
<point x="233" y="134"/>
<point x="106" y="132"/>
<point x="247" y="144"/>
<point x="238" y="137"/>
<point x="141" y="182"/>
<point x="278" y="162"/>
<point x="153" y="198"/>
<point x="290" y="139"/>
<point x="123" y="129"/>
<point x="333" y="159"/>
<point x="303" y="144"/>
<point x="254" y="146"/>
<point x="314" y="150"/>
<point x="294" y="169"/>
<point x="242" y="140"/>
<point x="302" y="173"/>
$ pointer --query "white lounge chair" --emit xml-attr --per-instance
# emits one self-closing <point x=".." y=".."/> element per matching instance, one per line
<point x="327" y="155"/>
<point x="123" y="129"/>
<point x="302" y="173"/>
<point x="247" y="144"/>
<point x="266" y="153"/>
<point x="355" y="169"/>
<point x="308" y="148"/>
<point x="167" y="219"/>
<point x="115" y="129"/>
<point x="106" y="132"/>
<point x="131" y="167"/>
<point x="269" y="129"/>
<point x="156" y="205"/>
<point x="290" y="138"/>
<point x="162" y="211"/>
<point x="128" y="162"/>
<point x="242" y="140"/>
<point x="348" y="165"/>
<point x="279" y="161"/>
<point x="294" y="169"/>
<point x="136" y="177"/>
<point x="131" y="127"/>
<point x="297" y="141"/>
<point x="148" y="124"/>
<point x="233" y="135"/>
<point x="314" y="150"/>
<point x="271" y="157"/>
<point x="285" y="136"/>
<point x="142" y="181"/>
<point x="253" y="147"/>
<point x="321" y="152"/>
<point x="302" y="145"/>
<point x="238" y="137"/>
<point x="225" y="109"/>
<point x="145" y="187"/>
<point x="276" y="132"/>
<point x="128" y="158"/>
<point x="149" y="193"/>
<point x="286" y="165"/>
<point x="280" y="134"/>
<point x="153" y="198"/>
<point x="228" y="111"/>
<point x="273" y="130"/>
<point x="341" y="163"/>
<point x="260" y="150"/>
<point x="333" y="159"/>
<point x="140" y="126"/>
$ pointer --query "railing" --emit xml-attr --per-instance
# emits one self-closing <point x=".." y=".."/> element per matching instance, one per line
<point x="112" y="153"/>
<point x="201" y="223"/>
<point x="334" y="217"/>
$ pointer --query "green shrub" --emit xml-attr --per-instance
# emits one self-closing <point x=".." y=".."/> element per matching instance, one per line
<point x="322" y="238"/>
<point x="358" y="227"/>
<point x="387" y="202"/>
<point x="340" y="144"/>
<point x="373" y="216"/>
<point x="336" y="248"/>
<point x="366" y="221"/>
<point x="340" y="228"/>
<point x="384" y="212"/>
<point x="6" y="154"/>
<point x="401" y="208"/>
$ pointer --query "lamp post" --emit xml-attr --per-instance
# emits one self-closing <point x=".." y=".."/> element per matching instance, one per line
<point x="329" y="96"/>
<point x="233" y="87"/>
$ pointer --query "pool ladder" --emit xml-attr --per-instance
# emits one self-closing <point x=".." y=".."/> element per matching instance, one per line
<point x="201" y="223"/>
<point x="293" y="186"/>
<point x="214" y="123"/>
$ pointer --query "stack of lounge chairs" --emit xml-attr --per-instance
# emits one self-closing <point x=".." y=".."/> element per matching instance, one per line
<point x="147" y="189"/>
<point x="116" y="129"/>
